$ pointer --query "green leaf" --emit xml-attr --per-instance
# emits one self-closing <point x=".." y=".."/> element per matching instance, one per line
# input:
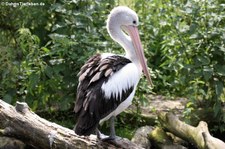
<point x="34" y="78"/>
<point x="196" y="36"/>
<point x="204" y="60"/>
<point x="35" y="105"/>
<point x="220" y="70"/>
<point x="207" y="72"/>
<point x="59" y="68"/>
<point x="49" y="71"/>
<point x="219" y="88"/>
<point x="46" y="50"/>
<point x="7" y="98"/>
<point x="188" y="10"/>
<point x="217" y="108"/>
<point x="193" y="28"/>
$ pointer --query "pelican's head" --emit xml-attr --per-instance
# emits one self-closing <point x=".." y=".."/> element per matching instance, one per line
<point x="124" y="19"/>
<point x="123" y="15"/>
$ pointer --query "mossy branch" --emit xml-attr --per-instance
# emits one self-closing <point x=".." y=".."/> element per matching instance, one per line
<point x="21" y="123"/>
<point x="198" y="136"/>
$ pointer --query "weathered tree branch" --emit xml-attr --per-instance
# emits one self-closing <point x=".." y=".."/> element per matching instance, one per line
<point x="199" y="135"/>
<point x="21" y="123"/>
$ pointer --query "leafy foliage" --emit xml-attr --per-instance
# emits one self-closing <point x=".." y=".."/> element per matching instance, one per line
<point x="186" y="43"/>
<point x="45" y="74"/>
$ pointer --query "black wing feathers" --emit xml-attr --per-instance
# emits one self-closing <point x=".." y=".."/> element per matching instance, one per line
<point x="91" y="105"/>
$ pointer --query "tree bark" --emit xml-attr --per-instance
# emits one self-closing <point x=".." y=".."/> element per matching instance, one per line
<point x="198" y="136"/>
<point x="21" y="123"/>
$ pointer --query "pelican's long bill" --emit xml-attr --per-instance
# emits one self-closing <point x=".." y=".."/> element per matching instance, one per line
<point x="134" y="34"/>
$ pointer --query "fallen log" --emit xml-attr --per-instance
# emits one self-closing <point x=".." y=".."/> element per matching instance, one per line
<point x="199" y="136"/>
<point x="21" y="123"/>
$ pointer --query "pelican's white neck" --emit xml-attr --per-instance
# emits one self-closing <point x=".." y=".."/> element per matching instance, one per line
<point x="123" y="19"/>
<point x="117" y="34"/>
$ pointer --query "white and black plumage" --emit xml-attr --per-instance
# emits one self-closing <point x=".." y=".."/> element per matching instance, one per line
<point x="107" y="82"/>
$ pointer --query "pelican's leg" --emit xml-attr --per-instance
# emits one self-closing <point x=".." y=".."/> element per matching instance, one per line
<point x="112" y="128"/>
<point x="112" y="135"/>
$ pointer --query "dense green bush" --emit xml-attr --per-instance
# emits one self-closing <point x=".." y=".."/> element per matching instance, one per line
<point x="184" y="43"/>
<point x="43" y="56"/>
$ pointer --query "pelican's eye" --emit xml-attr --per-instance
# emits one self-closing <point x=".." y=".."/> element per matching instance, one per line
<point x="134" y="22"/>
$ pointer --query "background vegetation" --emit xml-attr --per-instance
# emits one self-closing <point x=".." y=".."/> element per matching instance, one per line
<point x="43" y="47"/>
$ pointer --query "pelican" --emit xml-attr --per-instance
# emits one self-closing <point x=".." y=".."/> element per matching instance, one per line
<point x="107" y="82"/>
